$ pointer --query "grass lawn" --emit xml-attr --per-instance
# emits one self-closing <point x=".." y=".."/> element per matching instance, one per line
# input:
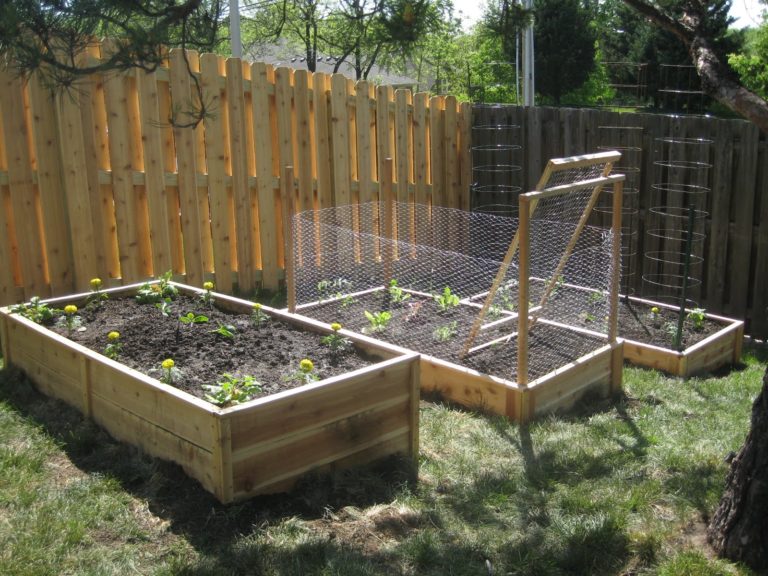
<point x="621" y="487"/>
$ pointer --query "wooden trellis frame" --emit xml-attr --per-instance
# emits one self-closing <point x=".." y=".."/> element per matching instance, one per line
<point x="521" y="242"/>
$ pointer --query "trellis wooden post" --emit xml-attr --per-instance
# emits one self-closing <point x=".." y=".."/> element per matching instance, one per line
<point x="523" y="231"/>
<point x="286" y="201"/>
<point x="387" y="196"/>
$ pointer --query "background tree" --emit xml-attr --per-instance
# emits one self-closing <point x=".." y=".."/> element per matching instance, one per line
<point x="694" y="23"/>
<point x="49" y="36"/>
<point x="565" y="46"/>
<point x="751" y="63"/>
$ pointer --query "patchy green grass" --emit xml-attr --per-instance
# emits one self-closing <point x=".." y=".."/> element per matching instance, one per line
<point x="621" y="487"/>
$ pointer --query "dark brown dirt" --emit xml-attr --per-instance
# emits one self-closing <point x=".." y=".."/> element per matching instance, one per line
<point x="269" y="353"/>
<point x="414" y="323"/>
<point x="638" y="323"/>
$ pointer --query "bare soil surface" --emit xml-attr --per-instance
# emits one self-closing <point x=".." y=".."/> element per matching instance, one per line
<point x="270" y="352"/>
<point x="419" y="324"/>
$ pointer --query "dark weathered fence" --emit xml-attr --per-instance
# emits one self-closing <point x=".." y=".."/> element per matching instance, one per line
<point x="734" y="272"/>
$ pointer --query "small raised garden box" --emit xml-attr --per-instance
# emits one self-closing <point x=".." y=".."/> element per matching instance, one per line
<point x="260" y="446"/>
<point x="721" y="347"/>
<point x="585" y="361"/>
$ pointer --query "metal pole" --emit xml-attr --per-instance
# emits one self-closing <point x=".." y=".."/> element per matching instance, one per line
<point x="686" y="270"/>
<point x="529" y="84"/>
<point x="234" y="28"/>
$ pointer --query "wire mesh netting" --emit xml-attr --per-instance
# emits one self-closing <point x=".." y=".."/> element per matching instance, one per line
<point x="418" y="278"/>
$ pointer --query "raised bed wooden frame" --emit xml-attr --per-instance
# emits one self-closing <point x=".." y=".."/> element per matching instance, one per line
<point x="718" y="350"/>
<point x="259" y="447"/>
<point x="599" y="371"/>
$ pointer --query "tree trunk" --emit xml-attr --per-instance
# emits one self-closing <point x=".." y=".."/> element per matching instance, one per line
<point x="739" y="527"/>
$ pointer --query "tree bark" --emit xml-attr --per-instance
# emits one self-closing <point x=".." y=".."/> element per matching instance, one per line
<point x="739" y="526"/>
<point x="717" y="77"/>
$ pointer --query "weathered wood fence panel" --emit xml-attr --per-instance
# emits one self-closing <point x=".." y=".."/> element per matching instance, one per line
<point x="99" y="183"/>
<point x="734" y="273"/>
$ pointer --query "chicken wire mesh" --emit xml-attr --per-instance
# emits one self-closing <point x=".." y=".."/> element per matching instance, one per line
<point x="417" y="275"/>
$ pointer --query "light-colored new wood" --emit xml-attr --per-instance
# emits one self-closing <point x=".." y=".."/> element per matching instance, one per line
<point x="261" y="446"/>
<point x="287" y="202"/>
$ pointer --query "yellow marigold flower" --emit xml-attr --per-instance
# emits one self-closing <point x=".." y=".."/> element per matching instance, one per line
<point x="208" y="285"/>
<point x="335" y="326"/>
<point x="306" y="365"/>
<point x="114" y="335"/>
<point x="70" y="309"/>
<point x="655" y="310"/>
<point x="256" y="306"/>
<point x="156" y="288"/>
<point x="168" y="363"/>
<point x="95" y="283"/>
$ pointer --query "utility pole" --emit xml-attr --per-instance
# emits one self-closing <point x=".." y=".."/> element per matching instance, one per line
<point x="529" y="84"/>
<point x="234" y="28"/>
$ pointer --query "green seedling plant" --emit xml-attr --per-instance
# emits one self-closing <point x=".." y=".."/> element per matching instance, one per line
<point x="446" y="300"/>
<point x="670" y="328"/>
<point x="328" y="289"/>
<point x="258" y="317"/>
<point x="225" y="331"/>
<point x="207" y="295"/>
<point x="587" y="317"/>
<point x="165" y="307"/>
<point x="36" y="311"/>
<point x="305" y="374"/>
<point x="596" y="298"/>
<point x="192" y="318"/>
<point x="445" y="332"/>
<point x="378" y="321"/>
<point x="696" y="317"/>
<point x="335" y="341"/>
<point x="113" y="347"/>
<point x="396" y="294"/>
<point x="558" y="284"/>
<point x="153" y="293"/>
<point x="494" y="311"/>
<point x="97" y="296"/>
<point x="232" y="390"/>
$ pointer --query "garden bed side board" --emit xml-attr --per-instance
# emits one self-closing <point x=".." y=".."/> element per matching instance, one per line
<point x="259" y="447"/>
<point x="718" y="350"/>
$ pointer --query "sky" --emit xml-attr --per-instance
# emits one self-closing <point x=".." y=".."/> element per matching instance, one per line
<point x="746" y="12"/>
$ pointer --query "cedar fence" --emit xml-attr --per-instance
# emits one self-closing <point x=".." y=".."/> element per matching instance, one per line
<point x="97" y="183"/>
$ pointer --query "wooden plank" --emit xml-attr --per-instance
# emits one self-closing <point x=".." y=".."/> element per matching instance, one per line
<point x="403" y="144"/>
<point x="186" y="155"/>
<point x="340" y="141"/>
<point x="161" y="405"/>
<point x="78" y="187"/>
<point x="421" y="166"/>
<point x="717" y="253"/>
<point x="287" y="203"/>
<point x="262" y="78"/>
<point x="5" y="346"/>
<point x="156" y="441"/>
<point x="740" y="246"/>
<point x="154" y="173"/>
<point x="561" y="388"/>
<point x="222" y="459"/>
<point x="328" y="444"/>
<point x="221" y="196"/>
<point x="366" y="126"/>
<point x="133" y="237"/>
<point x="285" y="138"/>
<point x="49" y="183"/>
<point x="305" y="153"/>
<point x="384" y="128"/>
<point x="298" y="411"/>
<point x="652" y="357"/>
<point x="452" y="164"/>
<point x="719" y="350"/>
<point x="11" y="270"/>
<point x="464" y="386"/>
<point x="437" y="150"/>
<point x="465" y="156"/>
<point x="759" y="320"/>
<point x="29" y="239"/>
<point x="321" y="101"/>
<point x="241" y="191"/>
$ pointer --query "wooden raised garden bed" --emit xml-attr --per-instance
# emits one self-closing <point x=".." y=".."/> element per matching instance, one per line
<point x="257" y="447"/>
<point x="721" y="348"/>
<point x="597" y="369"/>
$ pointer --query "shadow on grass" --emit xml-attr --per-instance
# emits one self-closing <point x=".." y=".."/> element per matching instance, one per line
<point x="227" y="537"/>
